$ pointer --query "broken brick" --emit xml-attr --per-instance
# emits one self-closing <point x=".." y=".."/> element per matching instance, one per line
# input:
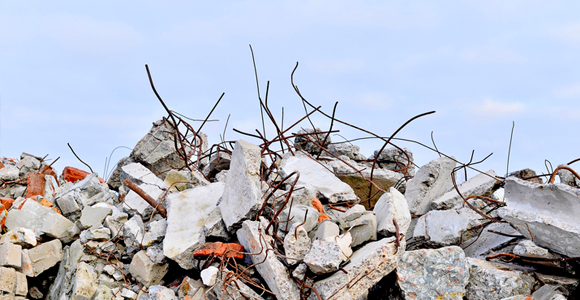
<point x="219" y="249"/>
<point x="6" y="202"/>
<point x="35" y="185"/>
<point x="71" y="174"/>
<point x="323" y="217"/>
<point x="316" y="204"/>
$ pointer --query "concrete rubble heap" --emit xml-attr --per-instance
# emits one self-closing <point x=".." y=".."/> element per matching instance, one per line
<point x="313" y="221"/>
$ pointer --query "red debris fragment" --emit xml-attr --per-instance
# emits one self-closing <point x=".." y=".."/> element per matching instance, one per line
<point x="71" y="174"/>
<point x="35" y="185"/>
<point x="1" y="165"/>
<point x="219" y="248"/>
<point x="6" y="202"/>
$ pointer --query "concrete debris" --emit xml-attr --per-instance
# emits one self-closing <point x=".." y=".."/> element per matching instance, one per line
<point x="433" y="274"/>
<point x="186" y="216"/>
<point x="481" y="184"/>
<point x="367" y="266"/>
<point x="431" y="182"/>
<point x="396" y="160"/>
<point x="324" y="257"/>
<point x="314" y="176"/>
<point x="392" y="206"/>
<point x="527" y="175"/>
<point x="251" y="236"/>
<point x="490" y="280"/>
<point x="544" y="213"/>
<point x="146" y="271"/>
<point x="229" y="222"/>
<point x="242" y="192"/>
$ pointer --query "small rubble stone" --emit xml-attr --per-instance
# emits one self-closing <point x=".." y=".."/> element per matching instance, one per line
<point x="526" y="175"/>
<point x="190" y="288"/>
<point x="9" y="173"/>
<point x="527" y="247"/>
<point x="234" y="289"/>
<point x="7" y="280"/>
<point x="346" y="149"/>
<point x="433" y="273"/>
<point x="363" y="228"/>
<point x="296" y="244"/>
<point x="96" y="233"/>
<point x="91" y="216"/>
<point x="85" y="282"/>
<point x="566" y="177"/>
<point x="324" y="257"/>
<point x="315" y="177"/>
<point x="326" y="230"/>
<point x="129" y="294"/>
<point x="431" y="181"/>
<point x="20" y="236"/>
<point x="159" y="292"/>
<point x="490" y="280"/>
<point x="187" y="212"/>
<point x="300" y="271"/>
<point x="209" y="275"/>
<point x="480" y="184"/>
<point x="395" y="159"/>
<point x="56" y="226"/>
<point x="33" y="215"/>
<point x="115" y="223"/>
<point x="35" y="293"/>
<point x="445" y="227"/>
<point x="10" y="255"/>
<point x="145" y="271"/>
<point x="21" y="285"/>
<point x="155" y="253"/>
<point x="277" y="278"/>
<point x="309" y="140"/>
<point x="242" y="192"/>
<point x="367" y="266"/>
<point x="44" y="256"/>
<point x="133" y="231"/>
<point x="392" y="206"/>
<point x="156" y="233"/>
<point x="548" y="211"/>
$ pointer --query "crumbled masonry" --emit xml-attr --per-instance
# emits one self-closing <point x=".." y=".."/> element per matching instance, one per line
<point x="312" y="220"/>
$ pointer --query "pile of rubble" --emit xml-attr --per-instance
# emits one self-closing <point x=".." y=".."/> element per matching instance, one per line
<point x="315" y="222"/>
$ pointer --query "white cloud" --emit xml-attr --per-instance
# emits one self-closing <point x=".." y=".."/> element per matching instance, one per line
<point x="491" y="108"/>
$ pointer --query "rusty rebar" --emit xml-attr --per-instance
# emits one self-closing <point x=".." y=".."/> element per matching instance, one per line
<point x="130" y="184"/>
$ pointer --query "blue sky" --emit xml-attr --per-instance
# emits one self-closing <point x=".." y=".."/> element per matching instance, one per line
<point x="73" y="72"/>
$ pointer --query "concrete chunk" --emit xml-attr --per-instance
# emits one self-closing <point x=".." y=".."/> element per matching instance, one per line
<point x="209" y="275"/>
<point x="480" y="245"/>
<point x="21" y="285"/>
<point x="392" y="206"/>
<point x="145" y="180"/>
<point x="477" y="185"/>
<point x="242" y="192"/>
<point x="367" y="266"/>
<point x="85" y="282"/>
<point x="433" y="274"/>
<point x="10" y="255"/>
<point x="7" y="280"/>
<point x="56" y="226"/>
<point x="252" y="237"/>
<point x="45" y="256"/>
<point x="363" y="228"/>
<point x="159" y="292"/>
<point x="187" y="212"/>
<point x="33" y="215"/>
<point x="145" y="271"/>
<point x="490" y="280"/>
<point x="549" y="212"/>
<point x="431" y="181"/>
<point x="296" y="244"/>
<point x="297" y="214"/>
<point x="324" y="257"/>
<point x="445" y="227"/>
<point x="314" y="176"/>
<point x="91" y="216"/>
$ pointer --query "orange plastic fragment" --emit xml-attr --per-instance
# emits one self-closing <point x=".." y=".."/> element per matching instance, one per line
<point x="71" y="174"/>
<point x="6" y="203"/>
<point x="316" y="204"/>
<point x="35" y="185"/>
<point x="323" y="217"/>
<point x="46" y="203"/>
<point x="219" y="249"/>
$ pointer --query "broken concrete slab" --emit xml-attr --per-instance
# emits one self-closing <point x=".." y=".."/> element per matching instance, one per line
<point x="85" y="282"/>
<point x="367" y="266"/>
<point x="324" y="257"/>
<point x="480" y="184"/>
<point x="431" y="182"/>
<point x="146" y="271"/>
<point x="445" y="227"/>
<point x="326" y="230"/>
<point x="309" y="140"/>
<point x="57" y="226"/>
<point x="7" y="280"/>
<point x="91" y="216"/>
<point x="480" y="245"/>
<point x="490" y="280"/>
<point x="34" y="216"/>
<point x="314" y="176"/>
<point x="297" y="214"/>
<point x="548" y="211"/>
<point x="433" y="273"/>
<point x="392" y="206"/>
<point x="157" y="151"/>
<point x="44" y="256"/>
<point x="72" y="198"/>
<point x="187" y="212"/>
<point x="242" y="192"/>
<point x="252" y="237"/>
<point x="21" y="288"/>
